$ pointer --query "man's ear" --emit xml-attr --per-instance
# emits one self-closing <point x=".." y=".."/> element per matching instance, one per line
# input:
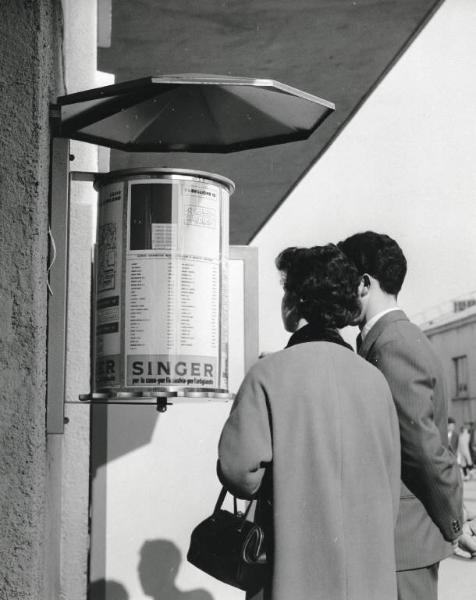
<point x="364" y="286"/>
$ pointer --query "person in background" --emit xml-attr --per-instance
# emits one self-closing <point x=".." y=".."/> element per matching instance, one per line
<point x="431" y="504"/>
<point x="472" y="443"/>
<point x="464" y="453"/>
<point x="452" y="435"/>
<point x="315" y="426"/>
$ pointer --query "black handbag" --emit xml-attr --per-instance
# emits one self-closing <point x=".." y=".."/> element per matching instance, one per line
<point x="229" y="547"/>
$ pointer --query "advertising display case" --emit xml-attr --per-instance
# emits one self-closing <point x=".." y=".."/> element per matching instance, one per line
<point x="161" y="282"/>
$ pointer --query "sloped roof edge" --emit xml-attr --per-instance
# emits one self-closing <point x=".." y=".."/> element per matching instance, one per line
<point x="405" y="46"/>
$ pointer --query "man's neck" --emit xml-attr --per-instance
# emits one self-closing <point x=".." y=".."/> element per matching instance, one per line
<point x="380" y="304"/>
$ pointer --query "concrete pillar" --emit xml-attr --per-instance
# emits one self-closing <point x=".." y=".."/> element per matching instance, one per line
<point x="30" y="79"/>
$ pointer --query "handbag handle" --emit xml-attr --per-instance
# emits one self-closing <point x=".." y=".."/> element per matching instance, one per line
<point x="221" y="499"/>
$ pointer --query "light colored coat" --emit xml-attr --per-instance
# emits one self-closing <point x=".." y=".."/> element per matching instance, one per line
<point x="324" y="420"/>
<point x="431" y="495"/>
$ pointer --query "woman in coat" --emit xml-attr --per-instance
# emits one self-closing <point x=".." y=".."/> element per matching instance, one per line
<point x="320" y="422"/>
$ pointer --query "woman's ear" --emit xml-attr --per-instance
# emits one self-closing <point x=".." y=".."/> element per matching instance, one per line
<point x="289" y="312"/>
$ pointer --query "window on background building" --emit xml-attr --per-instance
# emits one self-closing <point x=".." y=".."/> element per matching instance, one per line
<point x="461" y="376"/>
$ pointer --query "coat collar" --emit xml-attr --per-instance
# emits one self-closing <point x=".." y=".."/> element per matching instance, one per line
<point x="311" y="333"/>
<point x="380" y="325"/>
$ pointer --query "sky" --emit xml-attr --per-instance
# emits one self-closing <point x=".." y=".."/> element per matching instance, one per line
<point x="405" y="165"/>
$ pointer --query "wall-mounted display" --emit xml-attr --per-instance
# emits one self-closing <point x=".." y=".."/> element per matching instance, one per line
<point x="161" y="284"/>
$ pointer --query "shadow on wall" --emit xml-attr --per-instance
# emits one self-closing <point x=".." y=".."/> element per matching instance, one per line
<point x="136" y="425"/>
<point x="103" y="589"/>
<point x="158" y="568"/>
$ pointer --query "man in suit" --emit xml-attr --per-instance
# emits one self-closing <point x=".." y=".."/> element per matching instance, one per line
<point x="430" y="513"/>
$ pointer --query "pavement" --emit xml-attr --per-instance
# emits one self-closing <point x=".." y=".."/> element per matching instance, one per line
<point x="457" y="579"/>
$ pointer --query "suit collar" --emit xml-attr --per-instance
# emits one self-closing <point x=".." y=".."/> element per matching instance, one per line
<point x="380" y="325"/>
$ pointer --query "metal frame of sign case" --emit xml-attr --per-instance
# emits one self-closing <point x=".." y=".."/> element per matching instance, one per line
<point x="249" y="256"/>
<point x="57" y="305"/>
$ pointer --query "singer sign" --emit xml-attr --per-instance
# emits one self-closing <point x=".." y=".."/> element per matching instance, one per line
<point x="161" y="285"/>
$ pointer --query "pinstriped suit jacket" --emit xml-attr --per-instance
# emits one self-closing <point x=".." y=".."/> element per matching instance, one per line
<point x="430" y="509"/>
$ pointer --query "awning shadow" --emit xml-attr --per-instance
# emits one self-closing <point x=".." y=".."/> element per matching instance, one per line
<point x="141" y="422"/>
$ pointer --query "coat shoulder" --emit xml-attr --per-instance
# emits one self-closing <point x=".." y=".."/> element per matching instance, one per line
<point x="310" y="360"/>
<point x="406" y="339"/>
<point x="402" y="331"/>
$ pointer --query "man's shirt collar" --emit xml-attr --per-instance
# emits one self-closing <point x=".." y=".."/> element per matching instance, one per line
<point x="368" y="326"/>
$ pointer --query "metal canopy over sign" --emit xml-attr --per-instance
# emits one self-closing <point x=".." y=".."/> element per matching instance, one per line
<point x="191" y="113"/>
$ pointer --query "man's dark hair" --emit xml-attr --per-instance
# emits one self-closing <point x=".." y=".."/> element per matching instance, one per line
<point x="323" y="284"/>
<point x="378" y="255"/>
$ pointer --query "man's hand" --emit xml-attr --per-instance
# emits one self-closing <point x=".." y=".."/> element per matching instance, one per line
<point x="467" y="514"/>
<point x="465" y="545"/>
<point x="470" y="525"/>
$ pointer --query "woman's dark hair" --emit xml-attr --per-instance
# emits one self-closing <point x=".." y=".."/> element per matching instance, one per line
<point x="323" y="284"/>
<point x="378" y="255"/>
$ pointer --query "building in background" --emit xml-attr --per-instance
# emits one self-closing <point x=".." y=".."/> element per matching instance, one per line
<point x="453" y="335"/>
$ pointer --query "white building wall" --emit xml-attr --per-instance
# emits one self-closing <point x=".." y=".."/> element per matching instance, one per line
<point x="452" y="341"/>
<point x="154" y="480"/>
<point x="404" y="165"/>
<point x="80" y="31"/>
